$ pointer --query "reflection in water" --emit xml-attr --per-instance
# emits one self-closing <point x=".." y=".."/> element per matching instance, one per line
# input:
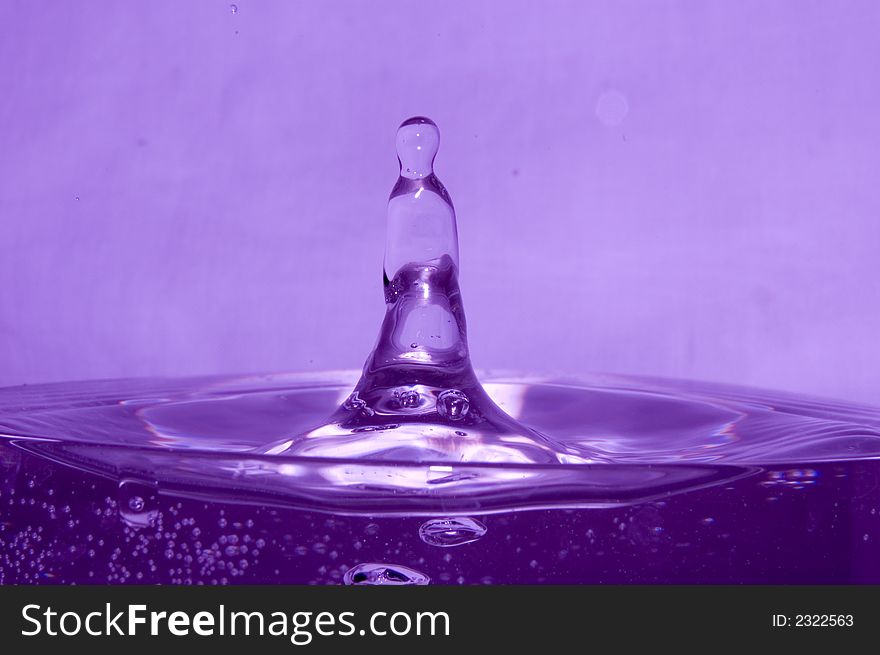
<point x="633" y="439"/>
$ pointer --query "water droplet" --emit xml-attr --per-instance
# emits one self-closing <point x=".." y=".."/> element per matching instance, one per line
<point x="708" y="521"/>
<point x="451" y="531"/>
<point x="418" y="140"/>
<point x="452" y="404"/>
<point x="384" y="575"/>
<point x="408" y="398"/>
<point x="612" y="108"/>
<point x="233" y="9"/>
<point x="138" y="503"/>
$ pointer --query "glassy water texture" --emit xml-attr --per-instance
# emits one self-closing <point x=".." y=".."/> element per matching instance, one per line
<point x="414" y="472"/>
<point x="165" y="481"/>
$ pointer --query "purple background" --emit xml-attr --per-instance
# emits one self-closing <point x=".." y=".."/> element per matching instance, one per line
<point x="686" y="189"/>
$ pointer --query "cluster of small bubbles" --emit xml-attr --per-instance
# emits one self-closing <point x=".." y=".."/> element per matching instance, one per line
<point x="173" y="552"/>
<point x="449" y="532"/>
<point x="792" y="478"/>
<point x="384" y="575"/>
<point x="147" y="543"/>
<point x="453" y="405"/>
<point x="227" y="557"/>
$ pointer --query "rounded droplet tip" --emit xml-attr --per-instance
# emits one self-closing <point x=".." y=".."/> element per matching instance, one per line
<point x="418" y="120"/>
<point x="417" y="142"/>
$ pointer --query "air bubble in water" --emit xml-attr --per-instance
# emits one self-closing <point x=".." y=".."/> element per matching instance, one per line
<point x="452" y="404"/>
<point x="138" y="503"/>
<point x="384" y="575"/>
<point x="451" y="531"/>
<point x="408" y="398"/>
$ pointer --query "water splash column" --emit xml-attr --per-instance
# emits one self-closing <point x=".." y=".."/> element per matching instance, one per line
<point x="418" y="397"/>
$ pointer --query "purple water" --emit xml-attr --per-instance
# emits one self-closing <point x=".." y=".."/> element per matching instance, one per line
<point x="161" y="481"/>
<point x="415" y="472"/>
